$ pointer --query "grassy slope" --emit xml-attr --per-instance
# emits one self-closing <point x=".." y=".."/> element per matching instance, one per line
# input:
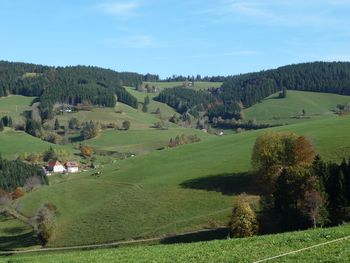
<point x="274" y="110"/>
<point x="142" y="196"/>
<point x="165" y="110"/>
<point x="234" y="250"/>
<point x="14" y="106"/>
<point x="139" y="141"/>
<point x="13" y="143"/>
<point x="197" y="84"/>
<point x="15" y="234"/>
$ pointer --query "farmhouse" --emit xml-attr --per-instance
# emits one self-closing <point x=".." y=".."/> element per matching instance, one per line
<point x="56" y="167"/>
<point x="72" y="167"/>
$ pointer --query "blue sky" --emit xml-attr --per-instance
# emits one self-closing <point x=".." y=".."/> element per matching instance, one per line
<point x="221" y="37"/>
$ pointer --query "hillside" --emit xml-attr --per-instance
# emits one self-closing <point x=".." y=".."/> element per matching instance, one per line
<point x="233" y="250"/>
<point x="288" y="110"/>
<point x="168" y="191"/>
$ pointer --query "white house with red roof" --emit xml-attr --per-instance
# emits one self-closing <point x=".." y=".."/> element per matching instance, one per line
<point x="56" y="167"/>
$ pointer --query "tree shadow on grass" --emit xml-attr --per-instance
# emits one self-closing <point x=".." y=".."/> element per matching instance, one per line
<point x="18" y="241"/>
<point x="13" y="230"/>
<point x="206" y="235"/>
<point x="227" y="184"/>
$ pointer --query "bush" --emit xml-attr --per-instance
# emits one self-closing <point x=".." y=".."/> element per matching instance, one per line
<point x="243" y="221"/>
<point x="126" y="125"/>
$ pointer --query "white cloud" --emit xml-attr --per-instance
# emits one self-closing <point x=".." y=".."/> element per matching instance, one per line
<point x="136" y="41"/>
<point x="118" y="8"/>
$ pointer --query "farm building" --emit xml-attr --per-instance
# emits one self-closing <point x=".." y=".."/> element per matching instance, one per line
<point x="56" y="167"/>
<point x="72" y="167"/>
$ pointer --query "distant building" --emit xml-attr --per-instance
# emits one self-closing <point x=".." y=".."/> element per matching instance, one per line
<point x="72" y="167"/>
<point x="56" y="167"/>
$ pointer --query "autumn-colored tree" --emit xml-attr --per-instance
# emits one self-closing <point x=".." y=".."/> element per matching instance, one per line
<point x="274" y="151"/>
<point x="86" y="151"/>
<point x="243" y="221"/>
<point x="43" y="222"/>
<point x="314" y="208"/>
<point x="17" y="193"/>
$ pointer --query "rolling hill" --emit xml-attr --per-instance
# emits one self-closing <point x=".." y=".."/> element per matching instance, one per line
<point x="167" y="191"/>
<point x="285" y="111"/>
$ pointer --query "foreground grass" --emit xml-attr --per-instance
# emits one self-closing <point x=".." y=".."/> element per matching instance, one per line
<point x="233" y="250"/>
<point x="283" y="111"/>
<point x="167" y="191"/>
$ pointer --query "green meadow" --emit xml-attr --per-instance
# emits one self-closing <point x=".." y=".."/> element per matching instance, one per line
<point x="197" y="84"/>
<point x="14" y="106"/>
<point x="13" y="143"/>
<point x="139" y="141"/>
<point x="284" y="111"/>
<point x="167" y="191"/>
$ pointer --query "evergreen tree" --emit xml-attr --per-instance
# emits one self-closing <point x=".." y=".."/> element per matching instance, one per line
<point x="146" y="101"/>
<point x="144" y="107"/>
<point x="1" y="126"/>
<point x="56" y="125"/>
<point x="10" y="123"/>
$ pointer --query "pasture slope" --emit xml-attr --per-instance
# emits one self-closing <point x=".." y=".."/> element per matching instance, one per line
<point x="285" y="111"/>
<point x="233" y="250"/>
<point x="197" y="84"/>
<point x="168" y="191"/>
<point x="14" y="106"/>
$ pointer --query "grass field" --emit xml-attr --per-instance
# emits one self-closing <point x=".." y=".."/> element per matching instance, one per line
<point x="170" y="190"/>
<point x="120" y="113"/>
<point x="281" y="111"/>
<point x="15" y="234"/>
<point x="197" y="84"/>
<point x="165" y="110"/>
<point x="139" y="141"/>
<point x="233" y="250"/>
<point x="13" y="143"/>
<point x="14" y="106"/>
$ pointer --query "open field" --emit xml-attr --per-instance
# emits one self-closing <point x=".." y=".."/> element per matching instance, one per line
<point x="233" y="250"/>
<point x="15" y="234"/>
<point x="14" y="106"/>
<point x="13" y="143"/>
<point x="197" y="84"/>
<point x="139" y="141"/>
<point x="165" y="110"/>
<point x="170" y="190"/>
<point x="122" y="112"/>
<point x="282" y="111"/>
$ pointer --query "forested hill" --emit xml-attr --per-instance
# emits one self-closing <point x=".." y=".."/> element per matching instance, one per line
<point x="67" y="84"/>
<point x="331" y="77"/>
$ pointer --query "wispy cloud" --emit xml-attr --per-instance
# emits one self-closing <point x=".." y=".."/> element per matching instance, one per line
<point x="243" y="53"/>
<point x="118" y="8"/>
<point x="136" y="41"/>
<point x="275" y="12"/>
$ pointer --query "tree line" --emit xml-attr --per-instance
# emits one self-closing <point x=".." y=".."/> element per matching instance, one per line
<point x="329" y="77"/>
<point x="298" y="189"/>
<point x="15" y="173"/>
<point x="245" y="90"/>
<point x="67" y="84"/>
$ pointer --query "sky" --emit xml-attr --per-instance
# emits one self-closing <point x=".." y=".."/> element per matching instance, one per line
<point x="221" y="37"/>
